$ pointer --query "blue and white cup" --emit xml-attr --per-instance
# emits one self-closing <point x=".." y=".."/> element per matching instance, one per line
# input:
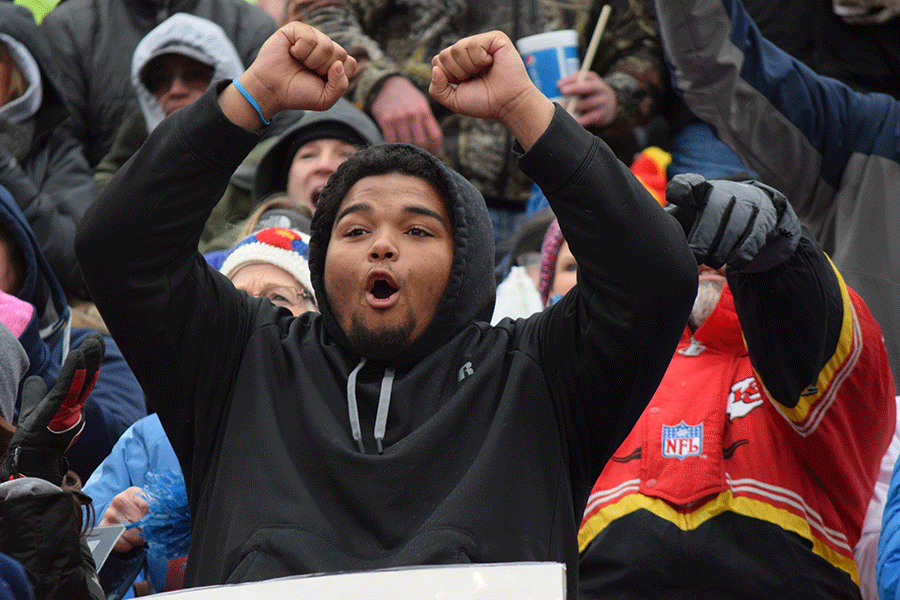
<point x="549" y="57"/>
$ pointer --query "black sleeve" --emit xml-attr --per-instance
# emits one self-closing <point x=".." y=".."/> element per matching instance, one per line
<point x="791" y="317"/>
<point x="180" y="324"/>
<point x="607" y="344"/>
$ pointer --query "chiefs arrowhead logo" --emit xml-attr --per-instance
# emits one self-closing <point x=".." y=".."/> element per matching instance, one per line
<point x="743" y="398"/>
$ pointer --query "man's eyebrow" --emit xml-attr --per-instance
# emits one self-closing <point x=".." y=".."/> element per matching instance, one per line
<point x="360" y="206"/>
<point x="425" y="212"/>
<point x="412" y="209"/>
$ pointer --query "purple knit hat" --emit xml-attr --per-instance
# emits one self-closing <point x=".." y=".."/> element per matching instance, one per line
<point x="553" y="241"/>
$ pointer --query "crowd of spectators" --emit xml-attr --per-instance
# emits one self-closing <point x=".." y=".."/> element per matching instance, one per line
<point x="312" y="286"/>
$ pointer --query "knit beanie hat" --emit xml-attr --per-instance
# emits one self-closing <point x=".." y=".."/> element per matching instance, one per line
<point x="553" y="241"/>
<point x="277" y="246"/>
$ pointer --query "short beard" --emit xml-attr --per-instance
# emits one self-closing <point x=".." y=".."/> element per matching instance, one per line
<point x="380" y="345"/>
<point x="708" y="294"/>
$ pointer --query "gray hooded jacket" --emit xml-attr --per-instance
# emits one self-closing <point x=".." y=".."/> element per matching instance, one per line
<point x="40" y="162"/>
<point x="195" y="37"/>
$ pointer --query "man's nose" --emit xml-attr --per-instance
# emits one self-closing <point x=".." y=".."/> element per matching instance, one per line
<point x="178" y="87"/>
<point x="384" y="247"/>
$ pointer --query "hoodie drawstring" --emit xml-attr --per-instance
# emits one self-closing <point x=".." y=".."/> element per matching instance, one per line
<point x="384" y="402"/>
<point x="351" y="406"/>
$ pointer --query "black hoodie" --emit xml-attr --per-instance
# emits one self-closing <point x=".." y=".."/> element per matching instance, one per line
<point x="493" y="436"/>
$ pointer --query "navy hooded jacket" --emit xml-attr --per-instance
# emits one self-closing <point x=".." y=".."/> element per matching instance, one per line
<point x="117" y="400"/>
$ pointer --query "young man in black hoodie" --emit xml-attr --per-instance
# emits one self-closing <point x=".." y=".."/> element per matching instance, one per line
<point x="397" y="427"/>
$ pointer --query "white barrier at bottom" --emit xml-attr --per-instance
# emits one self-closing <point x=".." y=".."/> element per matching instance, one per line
<point x="495" y="581"/>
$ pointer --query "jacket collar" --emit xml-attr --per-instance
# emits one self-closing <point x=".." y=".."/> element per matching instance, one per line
<point x="721" y="330"/>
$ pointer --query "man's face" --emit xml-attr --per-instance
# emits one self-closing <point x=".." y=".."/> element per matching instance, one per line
<point x="313" y="164"/>
<point x="176" y="80"/>
<point x="276" y="284"/>
<point x="388" y="262"/>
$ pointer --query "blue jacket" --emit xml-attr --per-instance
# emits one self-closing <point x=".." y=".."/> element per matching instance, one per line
<point x="887" y="570"/>
<point x="142" y="449"/>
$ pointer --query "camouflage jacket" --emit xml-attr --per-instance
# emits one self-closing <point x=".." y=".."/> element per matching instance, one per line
<point x="399" y="37"/>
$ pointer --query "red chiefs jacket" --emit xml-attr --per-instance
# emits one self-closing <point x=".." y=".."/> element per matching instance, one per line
<point x="727" y="488"/>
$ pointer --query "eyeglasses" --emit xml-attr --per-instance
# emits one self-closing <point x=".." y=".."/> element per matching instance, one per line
<point x="288" y="297"/>
<point x="159" y="81"/>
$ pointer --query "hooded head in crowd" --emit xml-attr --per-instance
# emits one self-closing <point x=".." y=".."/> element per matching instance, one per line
<point x="177" y="61"/>
<point x="308" y="152"/>
<point x="401" y="254"/>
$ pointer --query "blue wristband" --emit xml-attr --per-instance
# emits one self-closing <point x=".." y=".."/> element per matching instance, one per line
<point x="249" y="99"/>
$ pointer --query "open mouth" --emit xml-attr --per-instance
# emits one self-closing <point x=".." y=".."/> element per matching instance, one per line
<point x="381" y="286"/>
<point x="381" y="289"/>
<point x="315" y="196"/>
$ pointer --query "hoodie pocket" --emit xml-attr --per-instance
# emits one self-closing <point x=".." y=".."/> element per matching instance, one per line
<point x="280" y="552"/>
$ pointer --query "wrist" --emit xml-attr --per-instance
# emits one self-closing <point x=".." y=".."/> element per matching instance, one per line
<point x="529" y="117"/>
<point x="43" y="462"/>
<point x="247" y="103"/>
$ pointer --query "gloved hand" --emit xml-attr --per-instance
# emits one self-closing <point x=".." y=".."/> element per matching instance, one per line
<point x="748" y="226"/>
<point x="49" y="423"/>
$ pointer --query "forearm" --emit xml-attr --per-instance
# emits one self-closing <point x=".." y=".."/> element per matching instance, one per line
<point x="639" y="92"/>
<point x="631" y="62"/>
<point x="792" y="317"/>
<point x="606" y="210"/>
<point x="794" y="128"/>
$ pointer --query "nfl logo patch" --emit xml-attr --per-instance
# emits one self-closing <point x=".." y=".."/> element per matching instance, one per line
<point x="682" y="440"/>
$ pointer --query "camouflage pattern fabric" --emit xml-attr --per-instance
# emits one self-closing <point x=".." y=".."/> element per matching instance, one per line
<point x="399" y="37"/>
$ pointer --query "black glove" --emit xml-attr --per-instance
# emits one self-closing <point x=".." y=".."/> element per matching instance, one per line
<point x="49" y="423"/>
<point x="748" y="226"/>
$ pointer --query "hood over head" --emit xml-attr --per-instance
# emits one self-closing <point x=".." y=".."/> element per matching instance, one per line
<point x="191" y="36"/>
<point x="40" y="287"/>
<point x="469" y="295"/>
<point x="342" y="121"/>
<point x="17" y="22"/>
